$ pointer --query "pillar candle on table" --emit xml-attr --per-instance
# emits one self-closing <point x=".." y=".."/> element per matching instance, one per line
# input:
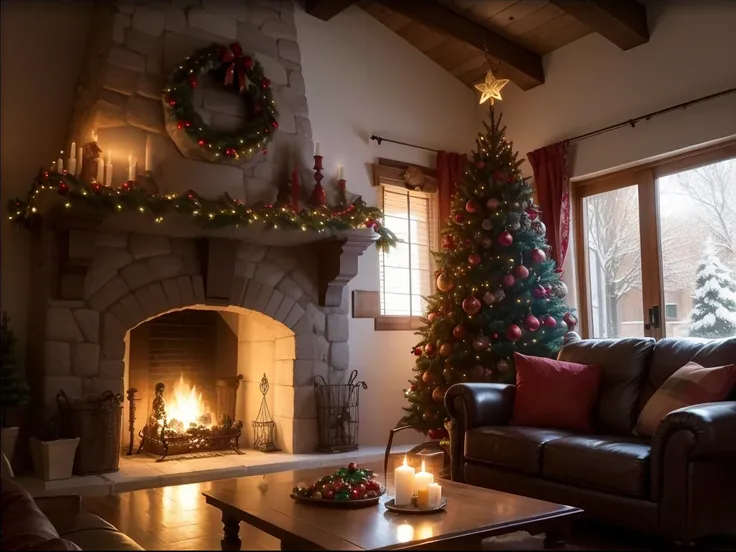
<point x="108" y="169"/>
<point x="60" y="162"/>
<point x="422" y="480"/>
<point x="423" y="499"/>
<point x="435" y="495"/>
<point x="403" y="481"/>
<point x="131" y="168"/>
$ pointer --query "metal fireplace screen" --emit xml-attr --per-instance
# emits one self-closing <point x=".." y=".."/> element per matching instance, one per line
<point x="163" y="437"/>
<point x="337" y="414"/>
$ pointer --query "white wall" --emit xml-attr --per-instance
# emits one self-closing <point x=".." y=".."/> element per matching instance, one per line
<point x="42" y="46"/>
<point x="591" y="83"/>
<point x="362" y="79"/>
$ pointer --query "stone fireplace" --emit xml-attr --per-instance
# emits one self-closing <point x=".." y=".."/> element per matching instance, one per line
<point x="275" y="300"/>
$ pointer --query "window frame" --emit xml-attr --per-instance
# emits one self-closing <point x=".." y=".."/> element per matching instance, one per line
<point x="644" y="176"/>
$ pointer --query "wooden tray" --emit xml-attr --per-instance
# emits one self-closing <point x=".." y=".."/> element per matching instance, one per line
<point x="412" y="509"/>
<point x="345" y="504"/>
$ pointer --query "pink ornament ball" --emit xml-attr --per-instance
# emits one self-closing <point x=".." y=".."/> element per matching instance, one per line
<point x="506" y="239"/>
<point x="539" y="292"/>
<point x="538" y="256"/>
<point x="513" y="333"/>
<point x="508" y="280"/>
<point x="493" y="203"/>
<point x="531" y="323"/>
<point x="521" y="272"/>
<point x="549" y="322"/>
<point x="471" y="305"/>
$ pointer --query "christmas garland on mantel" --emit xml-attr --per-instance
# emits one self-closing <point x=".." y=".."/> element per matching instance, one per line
<point x="222" y="212"/>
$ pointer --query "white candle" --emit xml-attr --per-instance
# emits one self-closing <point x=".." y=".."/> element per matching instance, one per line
<point x="339" y="172"/>
<point x="148" y="154"/>
<point x="108" y="169"/>
<point x="131" y="168"/>
<point x="435" y="495"/>
<point x="403" y="481"/>
<point x="73" y="151"/>
<point x="100" y="170"/>
<point x="316" y="148"/>
<point x="422" y="480"/>
<point x="60" y="162"/>
<point x="71" y="166"/>
<point x="79" y="161"/>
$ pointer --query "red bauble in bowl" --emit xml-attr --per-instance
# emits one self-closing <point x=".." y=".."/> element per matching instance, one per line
<point x="471" y="305"/>
<point x="505" y="238"/>
<point x="513" y="333"/>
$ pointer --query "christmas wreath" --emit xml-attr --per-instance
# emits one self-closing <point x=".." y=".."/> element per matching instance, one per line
<point x="229" y="65"/>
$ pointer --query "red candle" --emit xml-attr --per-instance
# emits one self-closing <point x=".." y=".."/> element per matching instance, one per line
<point x="295" y="189"/>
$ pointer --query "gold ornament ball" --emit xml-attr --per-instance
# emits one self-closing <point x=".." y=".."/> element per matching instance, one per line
<point x="438" y="395"/>
<point x="445" y="283"/>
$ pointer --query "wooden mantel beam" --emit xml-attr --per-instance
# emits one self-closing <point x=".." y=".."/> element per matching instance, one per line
<point x="519" y="64"/>
<point x="325" y="9"/>
<point x="623" y="22"/>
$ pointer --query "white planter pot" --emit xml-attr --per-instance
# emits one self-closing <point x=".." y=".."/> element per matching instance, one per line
<point x="54" y="459"/>
<point x="9" y="437"/>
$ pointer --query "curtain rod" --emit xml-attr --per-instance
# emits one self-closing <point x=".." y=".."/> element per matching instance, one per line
<point x="631" y="122"/>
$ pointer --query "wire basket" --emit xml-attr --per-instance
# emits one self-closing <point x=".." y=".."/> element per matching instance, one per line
<point x="337" y="414"/>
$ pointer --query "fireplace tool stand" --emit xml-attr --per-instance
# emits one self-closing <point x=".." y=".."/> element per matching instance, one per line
<point x="159" y="436"/>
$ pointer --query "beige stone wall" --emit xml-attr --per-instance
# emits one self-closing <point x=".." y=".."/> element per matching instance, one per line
<point x="134" y="44"/>
<point x="134" y="277"/>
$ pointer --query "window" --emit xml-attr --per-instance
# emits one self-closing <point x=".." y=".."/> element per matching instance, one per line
<point x="658" y="246"/>
<point x="406" y="271"/>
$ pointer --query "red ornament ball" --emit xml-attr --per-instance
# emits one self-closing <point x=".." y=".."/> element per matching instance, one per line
<point x="428" y="378"/>
<point x="539" y="292"/>
<point x="538" y="256"/>
<point x="531" y="323"/>
<point x="63" y="188"/>
<point x="433" y="316"/>
<point x="438" y="395"/>
<point x="417" y="351"/>
<point x="459" y="218"/>
<point x="471" y="206"/>
<point x="437" y="433"/>
<point x="533" y="213"/>
<point x="498" y="176"/>
<point x="448" y="242"/>
<point x="471" y="305"/>
<point x="459" y="332"/>
<point x="474" y="259"/>
<point x="549" y="322"/>
<point x="508" y="280"/>
<point x="446" y="349"/>
<point x="493" y="203"/>
<point x="480" y="165"/>
<point x="521" y="272"/>
<point x="513" y="333"/>
<point x="429" y="349"/>
<point x="570" y="319"/>
<point x="275" y="124"/>
<point x="505" y="238"/>
<point x="265" y="83"/>
<point x="248" y="62"/>
<point x="494" y="335"/>
<point x="352" y="466"/>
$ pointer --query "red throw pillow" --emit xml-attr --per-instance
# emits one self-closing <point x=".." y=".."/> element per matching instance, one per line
<point x="555" y="394"/>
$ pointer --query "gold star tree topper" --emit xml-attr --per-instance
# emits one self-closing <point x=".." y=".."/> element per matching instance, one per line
<point x="491" y="88"/>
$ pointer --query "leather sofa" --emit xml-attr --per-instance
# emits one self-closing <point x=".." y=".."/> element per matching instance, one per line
<point x="52" y="523"/>
<point x="680" y="484"/>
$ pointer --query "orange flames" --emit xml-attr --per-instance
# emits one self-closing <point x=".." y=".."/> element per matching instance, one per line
<point x="185" y="407"/>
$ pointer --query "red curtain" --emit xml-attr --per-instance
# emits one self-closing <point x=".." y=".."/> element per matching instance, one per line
<point x="450" y="167"/>
<point x="552" y="181"/>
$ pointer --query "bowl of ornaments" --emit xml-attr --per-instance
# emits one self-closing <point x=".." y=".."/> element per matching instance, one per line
<point x="350" y="487"/>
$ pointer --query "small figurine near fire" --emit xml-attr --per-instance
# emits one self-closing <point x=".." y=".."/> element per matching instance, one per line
<point x="349" y="486"/>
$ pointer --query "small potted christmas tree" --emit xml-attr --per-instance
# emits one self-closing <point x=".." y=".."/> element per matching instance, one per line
<point x="13" y="386"/>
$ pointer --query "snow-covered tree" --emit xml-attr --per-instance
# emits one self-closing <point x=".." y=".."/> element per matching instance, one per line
<point x="714" y="299"/>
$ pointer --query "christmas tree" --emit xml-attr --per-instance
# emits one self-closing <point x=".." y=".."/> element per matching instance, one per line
<point x="13" y="387"/>
<point x="497" y="292"/>
<point x="714" y="299"/>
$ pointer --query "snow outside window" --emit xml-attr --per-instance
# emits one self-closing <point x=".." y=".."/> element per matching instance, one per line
<point x="406" y="271"/>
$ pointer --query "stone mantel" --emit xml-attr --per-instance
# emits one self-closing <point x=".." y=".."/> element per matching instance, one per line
<point x="336" y="252"/>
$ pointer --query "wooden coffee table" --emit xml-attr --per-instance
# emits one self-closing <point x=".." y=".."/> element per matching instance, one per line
<point x="472" y="514"/>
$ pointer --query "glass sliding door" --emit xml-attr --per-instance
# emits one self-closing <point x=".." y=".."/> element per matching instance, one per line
<point x="697" y="220"/>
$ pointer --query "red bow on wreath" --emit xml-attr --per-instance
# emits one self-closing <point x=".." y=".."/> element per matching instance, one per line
<point x="237" y="61"/>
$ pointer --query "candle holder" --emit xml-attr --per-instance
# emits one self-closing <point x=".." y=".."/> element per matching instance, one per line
<point x="318" y="197"/>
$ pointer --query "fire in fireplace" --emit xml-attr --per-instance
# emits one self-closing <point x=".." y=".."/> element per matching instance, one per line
<point x="187" y="426"/>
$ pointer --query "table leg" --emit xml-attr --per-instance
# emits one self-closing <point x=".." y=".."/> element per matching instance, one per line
<point x="554" y="537"/>
<point x="231" y="528"/>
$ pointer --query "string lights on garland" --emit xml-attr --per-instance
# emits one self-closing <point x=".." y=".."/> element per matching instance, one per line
<point x="222" y="212"/>
<point x="237" y="70"/>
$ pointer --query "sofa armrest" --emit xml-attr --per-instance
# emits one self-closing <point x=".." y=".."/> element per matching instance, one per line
<point x="59" y="505"/>
<point x="472" y="405"/>
<point x="703" y="431"/>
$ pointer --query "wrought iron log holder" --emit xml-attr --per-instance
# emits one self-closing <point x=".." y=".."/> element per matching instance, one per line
<point x="158" y="438"/>
<point x="264" y="428"/>
<point x="337" y="413"/>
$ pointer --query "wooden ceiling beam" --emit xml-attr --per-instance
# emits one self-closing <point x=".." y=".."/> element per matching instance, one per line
<point x="623" y="22"/>
<point x="518" y="64"/>
<point x="326" y="9"/>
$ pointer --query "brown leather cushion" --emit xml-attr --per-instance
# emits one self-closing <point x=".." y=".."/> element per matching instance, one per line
<point x="624" y="363"/>
<point x="514" y="447"/>
<point x="671" y="354"/>
<point x="609" y="463"/>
